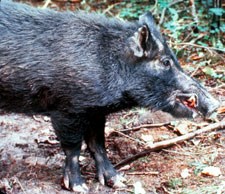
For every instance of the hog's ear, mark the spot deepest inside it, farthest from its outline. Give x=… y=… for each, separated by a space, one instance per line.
x=148 y=20
x=154 y=33
x=138 y=42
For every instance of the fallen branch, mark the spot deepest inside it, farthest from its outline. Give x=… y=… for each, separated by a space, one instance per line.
x=167 y=143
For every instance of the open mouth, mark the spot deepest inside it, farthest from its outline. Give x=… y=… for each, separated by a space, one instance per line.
x=189 y=101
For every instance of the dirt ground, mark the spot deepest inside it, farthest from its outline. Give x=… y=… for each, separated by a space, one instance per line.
x=31 y=158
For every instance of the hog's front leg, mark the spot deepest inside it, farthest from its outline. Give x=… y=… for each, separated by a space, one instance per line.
x=95 y=140
x=72 y=179
x=70 y=130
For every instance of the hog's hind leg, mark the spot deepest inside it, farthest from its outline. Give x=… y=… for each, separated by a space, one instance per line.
x=95 y=140
x=69 y=130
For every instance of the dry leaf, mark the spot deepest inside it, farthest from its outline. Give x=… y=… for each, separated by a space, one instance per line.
x=182 y=128
x=108 y=131
x=195 y=57
x=82 y=158
x=221 y=110
x=46 y=118
x=185 y=173
x=138 y=189
x=148 y=139
x=196 y=142
x=5 y=184
x=126 y=167
x=211 y=171
x=40 y=118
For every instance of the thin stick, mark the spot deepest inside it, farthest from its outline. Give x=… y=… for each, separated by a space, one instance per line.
x=200 y=46
x=142 y=173
x=19 y=183
x=154 y=7
x=109 y=8
x=164 y=10
x=200 y=36
x=47 y=2
x=193 y=11
x=217 y=87
x=131 y=138
x=209 y=49
x=145 y=126
x=167 y=143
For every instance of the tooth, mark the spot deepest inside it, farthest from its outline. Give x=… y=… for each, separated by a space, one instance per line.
x=192 y=101
x=194 y=114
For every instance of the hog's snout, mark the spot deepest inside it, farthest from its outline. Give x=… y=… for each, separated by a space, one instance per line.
x=191 y=99
x=207 y=104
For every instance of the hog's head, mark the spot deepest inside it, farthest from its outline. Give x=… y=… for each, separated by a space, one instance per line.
x=160 y=82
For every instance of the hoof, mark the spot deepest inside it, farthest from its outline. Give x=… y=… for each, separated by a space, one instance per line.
x=117 y=181
x=80 y=188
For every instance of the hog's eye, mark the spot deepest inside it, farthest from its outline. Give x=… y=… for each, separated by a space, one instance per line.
x=166 y=62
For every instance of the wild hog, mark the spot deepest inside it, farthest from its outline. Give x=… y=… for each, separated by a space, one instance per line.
x=79 y=67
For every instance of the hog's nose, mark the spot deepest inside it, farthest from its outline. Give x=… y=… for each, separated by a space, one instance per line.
x=213 y=106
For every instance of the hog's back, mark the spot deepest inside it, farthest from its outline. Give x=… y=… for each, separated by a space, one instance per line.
x=57 y=61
